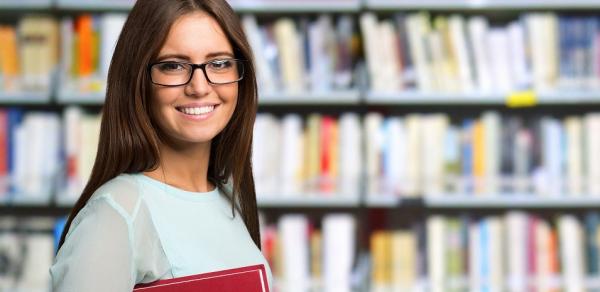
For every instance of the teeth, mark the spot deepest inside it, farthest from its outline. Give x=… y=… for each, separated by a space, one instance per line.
x=197 y=110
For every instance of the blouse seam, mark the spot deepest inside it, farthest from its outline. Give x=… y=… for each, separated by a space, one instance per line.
x=142 y=194
x=111 y=202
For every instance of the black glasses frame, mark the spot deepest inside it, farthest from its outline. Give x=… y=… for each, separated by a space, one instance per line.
x=197 y=66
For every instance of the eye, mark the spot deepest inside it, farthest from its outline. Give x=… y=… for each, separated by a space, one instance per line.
x=170 y=67
x=220 y=64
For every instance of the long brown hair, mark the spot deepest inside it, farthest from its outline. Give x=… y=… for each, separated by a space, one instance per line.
x=128 y=137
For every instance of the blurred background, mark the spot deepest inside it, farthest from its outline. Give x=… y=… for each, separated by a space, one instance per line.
x=432 y=145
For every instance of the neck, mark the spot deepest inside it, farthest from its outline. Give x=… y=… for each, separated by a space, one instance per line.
x=184 y=167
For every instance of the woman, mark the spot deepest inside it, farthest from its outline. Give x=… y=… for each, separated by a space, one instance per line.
x=171 y=192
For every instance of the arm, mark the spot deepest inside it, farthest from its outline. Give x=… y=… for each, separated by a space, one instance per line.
x=97 y=255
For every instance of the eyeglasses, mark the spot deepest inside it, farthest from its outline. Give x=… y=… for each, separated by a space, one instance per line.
x=172 y=73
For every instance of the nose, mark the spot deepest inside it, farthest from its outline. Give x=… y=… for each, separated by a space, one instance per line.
x=198 y=85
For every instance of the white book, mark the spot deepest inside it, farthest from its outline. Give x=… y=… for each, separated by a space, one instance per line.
x=496 y=257
x=321 y=40
x=436 y=252
x=293 y=235
x=462 y=52
x=414 y=132
x=338 y=248
x=542 y=30
x=374 y=137
x=571 y=253
x=394 y=154
x=373 y=49
x=475 y=256
x=290 y=55
x=552 y=173
x=265 y=154
x=452 y=158
x=493 y=148
x=111 y=25
x=417 y=28
x=350 y=157
x=36 y=263
x=72 y=135
x=390 y=69
x=435 y=46
x=518 y=56
x=516 y=248
x=292 y=150
x=90 y=134
x=478 y=32
x=433 y=136
x=592 y=153
x=264 y=74
x=574 y=155
x=498 y=41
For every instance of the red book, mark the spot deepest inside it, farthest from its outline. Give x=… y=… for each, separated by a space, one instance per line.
x=247 y=279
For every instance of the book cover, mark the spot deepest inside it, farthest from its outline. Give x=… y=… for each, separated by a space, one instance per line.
x=249 y=279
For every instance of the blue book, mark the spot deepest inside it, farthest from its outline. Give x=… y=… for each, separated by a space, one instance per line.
x=15 y=116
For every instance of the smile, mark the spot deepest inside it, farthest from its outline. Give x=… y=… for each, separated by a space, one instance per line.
x=197 y=111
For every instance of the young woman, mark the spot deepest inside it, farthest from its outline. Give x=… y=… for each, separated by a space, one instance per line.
x=171 y=192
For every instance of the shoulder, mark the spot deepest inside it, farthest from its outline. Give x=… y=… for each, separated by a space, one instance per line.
x=122 y=193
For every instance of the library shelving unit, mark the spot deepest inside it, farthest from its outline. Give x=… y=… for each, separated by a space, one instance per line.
x=362 y=100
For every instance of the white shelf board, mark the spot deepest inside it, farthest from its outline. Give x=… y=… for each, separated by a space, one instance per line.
x=24 y=98
x=309 y=200
x=25 y=4
x=480 y=4
x=382 y=201
x=418 y=98
x=347 y=97
x=268 y=6
x=510 y=201
x=95 y=4
x=96 y=98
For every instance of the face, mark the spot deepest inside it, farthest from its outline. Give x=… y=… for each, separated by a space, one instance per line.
x=198 y=111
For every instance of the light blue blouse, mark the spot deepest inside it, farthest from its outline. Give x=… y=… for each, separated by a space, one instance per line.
x=135 y=229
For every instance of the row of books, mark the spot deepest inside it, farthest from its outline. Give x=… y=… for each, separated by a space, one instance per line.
x=406 y=52
x=455 y=53
x=421 y=154
x=516 y=251
x=28 y=54
x=324 y=155
x=26 y=253
x=307 y=257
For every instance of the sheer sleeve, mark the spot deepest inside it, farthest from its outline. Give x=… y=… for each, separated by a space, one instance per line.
x=98 y=253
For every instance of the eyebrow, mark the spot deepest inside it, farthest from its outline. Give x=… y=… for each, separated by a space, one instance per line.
x=184 y=57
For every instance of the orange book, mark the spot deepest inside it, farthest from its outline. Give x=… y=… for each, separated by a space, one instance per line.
x=8 y=51
x=247 y=279
x=85 y=36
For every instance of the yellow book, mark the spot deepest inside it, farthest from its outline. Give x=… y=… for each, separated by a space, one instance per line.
x=404 y=260
x=315 y=254
x=313 y=157
x=478 y=155
x=381 y=252
x=9 y=60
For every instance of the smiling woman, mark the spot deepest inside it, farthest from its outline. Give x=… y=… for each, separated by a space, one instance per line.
x=171 y=192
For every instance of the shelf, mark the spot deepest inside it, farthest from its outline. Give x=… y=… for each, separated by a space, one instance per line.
x=24 y=98
x=121 y=5
x=268 y=6
x=382 y=201
x=480 y=4
x=25 y=4
x=348 y=97
x=96 y=98
x=33 y=210
x=309 y=201
x=510 y=201
x=433 y=98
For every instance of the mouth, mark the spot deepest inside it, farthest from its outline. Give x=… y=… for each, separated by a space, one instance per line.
x=197 y=110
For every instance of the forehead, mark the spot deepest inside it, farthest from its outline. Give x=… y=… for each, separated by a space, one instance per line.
x=196 y=35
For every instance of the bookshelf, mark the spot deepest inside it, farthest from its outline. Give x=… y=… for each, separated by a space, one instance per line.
x=360 y=100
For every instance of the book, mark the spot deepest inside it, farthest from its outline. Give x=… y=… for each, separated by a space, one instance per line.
x=248 y=279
